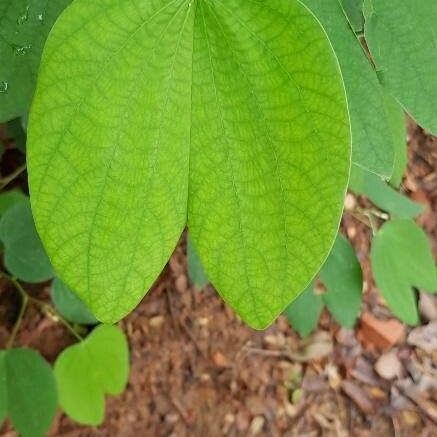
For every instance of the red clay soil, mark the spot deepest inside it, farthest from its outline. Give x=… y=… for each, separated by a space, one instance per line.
x=197 y=370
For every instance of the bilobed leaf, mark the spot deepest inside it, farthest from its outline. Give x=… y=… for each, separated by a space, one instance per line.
x=25 y=256
x=304 y=312
x=343 y=278
x=70 y=305
x=227 y=116
x=196 y=272
x=382 y=194
x=29 y=391
x=402 y=258
x=87 y=371
x=354 y=13
x=372 y=139
x=24 y=26
x=402 y=38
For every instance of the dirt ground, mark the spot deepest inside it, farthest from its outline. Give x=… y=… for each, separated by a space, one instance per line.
x=197 y=370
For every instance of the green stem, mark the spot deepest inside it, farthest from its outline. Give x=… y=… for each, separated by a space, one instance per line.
x=45 y=307
x=9 y=178
x=19 y=321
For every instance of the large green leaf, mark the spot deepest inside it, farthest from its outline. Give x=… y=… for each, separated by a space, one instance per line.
x=402 y=38
x=402 y=258
x=24 y=26
x=373 y=140
x=229 y=117
x=27 y=391
x=25 y=256
x=343 y=279
x=87 y=371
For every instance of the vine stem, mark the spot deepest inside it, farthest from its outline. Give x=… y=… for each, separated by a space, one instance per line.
x=18 y=322
x=10 y=177
x=44 y=306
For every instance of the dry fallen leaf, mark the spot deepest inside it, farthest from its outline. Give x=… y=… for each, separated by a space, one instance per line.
x=424 y=337
x=388 y=365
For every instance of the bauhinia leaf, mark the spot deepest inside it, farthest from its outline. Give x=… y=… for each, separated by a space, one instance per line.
x=353 y=10
x=24 y=26
x=87 y=371
x=27 y=391
x=382 y=194
x=70 y=305
x=402 y=38
x=398 y=130
x=226 y=116
x=401 y=259
x=343 y=278
x=304 y=312
x=25 y=256
x=373 y=141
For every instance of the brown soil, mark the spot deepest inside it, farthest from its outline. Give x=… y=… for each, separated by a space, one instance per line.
x=197 y=370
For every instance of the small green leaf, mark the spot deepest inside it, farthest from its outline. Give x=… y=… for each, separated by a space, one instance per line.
x=373 y=143
x=401 y=258
x=402 y=38
x=24 y=26
x=343 y=278
x=70 y=305
x=9 y=199
x=87 y=371
x=228 y=117
x=25 y=257
x=27 y=391
x=196 y=271
x=354 y=13
x=304 y=312
x=383 y=195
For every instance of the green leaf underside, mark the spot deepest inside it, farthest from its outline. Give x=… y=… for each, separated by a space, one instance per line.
x=27 y=391
x=25 y=257
x=304 y=312
x=24 y=26
x=9 y=199
x=373 y=140
x=383 y=195
x=353 y=10
x=402 y=38
x=401 y=258
x=87 y=371
x=228 y=117
x=196 y=271
x=398 y=129
x=343 y=279
x=70 y=305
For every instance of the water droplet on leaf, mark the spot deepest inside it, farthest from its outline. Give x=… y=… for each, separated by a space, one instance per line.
x=3 y=87
x=21 y=50
x=24 y=17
